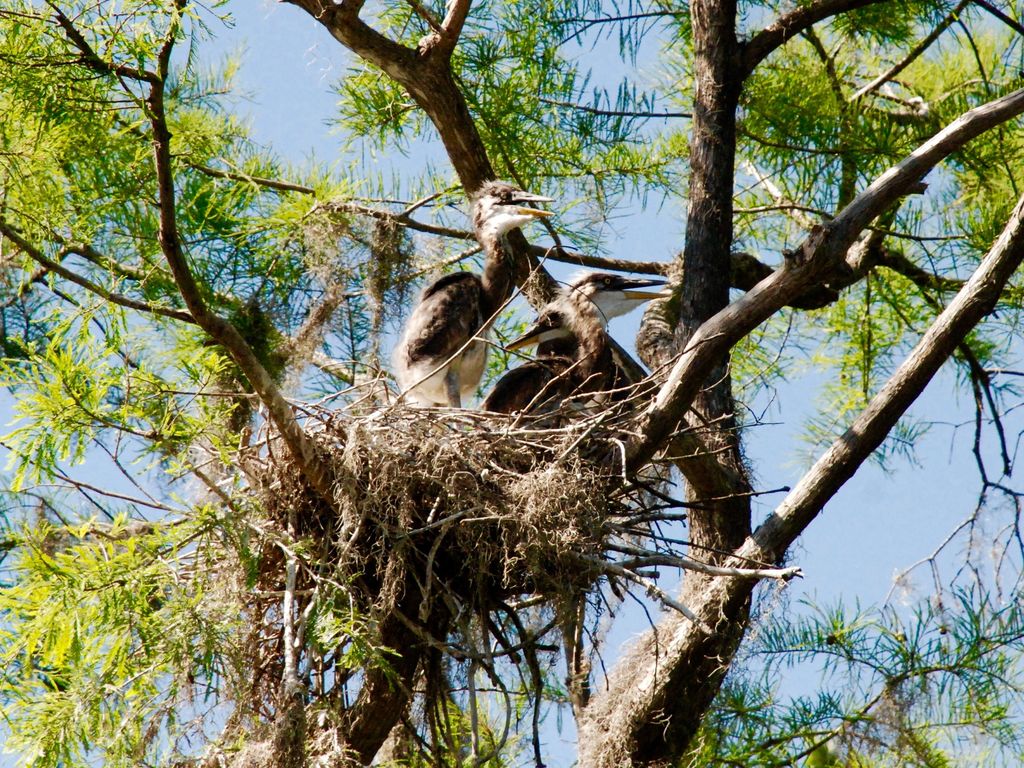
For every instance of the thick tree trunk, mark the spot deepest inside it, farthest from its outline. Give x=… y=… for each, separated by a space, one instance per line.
x=721 y=526
x=659 y=716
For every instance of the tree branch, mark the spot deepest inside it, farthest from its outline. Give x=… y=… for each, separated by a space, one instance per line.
x=56 y=267
x=1013 y=24
x=787 y=26
x=280 y=186
x=922 y=278
x=818 y=257
x=223 y=332
x=452 y=25
x=914 y=53
x=343 y=22
x=91 y=59
x=651 y=680
x=978 y=298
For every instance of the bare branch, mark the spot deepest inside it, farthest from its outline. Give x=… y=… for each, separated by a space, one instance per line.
x=400 y=219
x=914 y=53
x=649 y=586
x=816 y=259
x=922 y=278
x=642 y=558
x=339 y=369
x=566 y=256
x=424 y=14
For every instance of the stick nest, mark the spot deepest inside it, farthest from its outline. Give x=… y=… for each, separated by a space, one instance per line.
x=479 y=507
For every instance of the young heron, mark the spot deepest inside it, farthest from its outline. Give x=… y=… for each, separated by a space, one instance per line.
x=442 y=353
x=573 y=353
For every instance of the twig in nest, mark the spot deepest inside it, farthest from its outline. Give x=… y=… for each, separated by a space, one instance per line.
x=644 y=557
x=649 y=586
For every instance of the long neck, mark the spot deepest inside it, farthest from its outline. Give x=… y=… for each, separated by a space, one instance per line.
x=497 y=276
x=564 y=346
x=594 y=354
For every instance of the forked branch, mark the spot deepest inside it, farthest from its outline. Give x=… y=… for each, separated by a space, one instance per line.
x=818 y=257
x=655 y=677
x=977 y=299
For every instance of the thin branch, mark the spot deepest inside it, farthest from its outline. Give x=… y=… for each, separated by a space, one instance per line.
x=91 y=59
x=644 y=558
x=649 y=586
x=1011 y=23
x=782 y=202
x=56 y=267
x=424 y=14
x=922 y=278
x=398 y=218
x=280 y=186
x=614 y=112
x=566 y=256
x=789 y=25
x=914 y=53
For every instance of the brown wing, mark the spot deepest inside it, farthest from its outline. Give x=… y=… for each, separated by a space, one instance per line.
x=447 y=316
x=529 y=386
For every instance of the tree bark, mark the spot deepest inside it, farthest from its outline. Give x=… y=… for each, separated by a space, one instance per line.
x=661 y=723
x=667 y=664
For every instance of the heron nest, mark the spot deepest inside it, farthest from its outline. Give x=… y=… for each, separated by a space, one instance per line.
x=484 y=507
x=447 y=520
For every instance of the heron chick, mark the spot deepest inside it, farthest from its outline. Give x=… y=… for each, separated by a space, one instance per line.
x=574 y=355
x=443 y=350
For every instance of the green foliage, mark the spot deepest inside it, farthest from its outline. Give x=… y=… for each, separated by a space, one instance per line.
x=109 y=638
x=936 y=686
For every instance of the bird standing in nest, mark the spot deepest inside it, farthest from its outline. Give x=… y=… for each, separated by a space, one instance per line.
x=574 y=355
x=442 y=353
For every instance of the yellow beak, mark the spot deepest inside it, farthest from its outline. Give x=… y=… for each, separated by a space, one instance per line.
x=535 y=212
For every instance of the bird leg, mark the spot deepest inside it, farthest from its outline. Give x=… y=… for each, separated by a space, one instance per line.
x=453 y=386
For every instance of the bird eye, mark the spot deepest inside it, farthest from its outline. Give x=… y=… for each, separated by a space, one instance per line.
x=607 y=281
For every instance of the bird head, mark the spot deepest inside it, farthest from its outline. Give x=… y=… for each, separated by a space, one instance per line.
x=499 y=207
x=615 y=295
x=551 y=324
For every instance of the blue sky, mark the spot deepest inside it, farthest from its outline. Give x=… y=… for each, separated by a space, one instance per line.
x=876 y=525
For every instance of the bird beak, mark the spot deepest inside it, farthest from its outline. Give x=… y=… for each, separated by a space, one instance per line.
x=630 y=292
x=537 y=213
x=529 y=197
x=535 y=334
